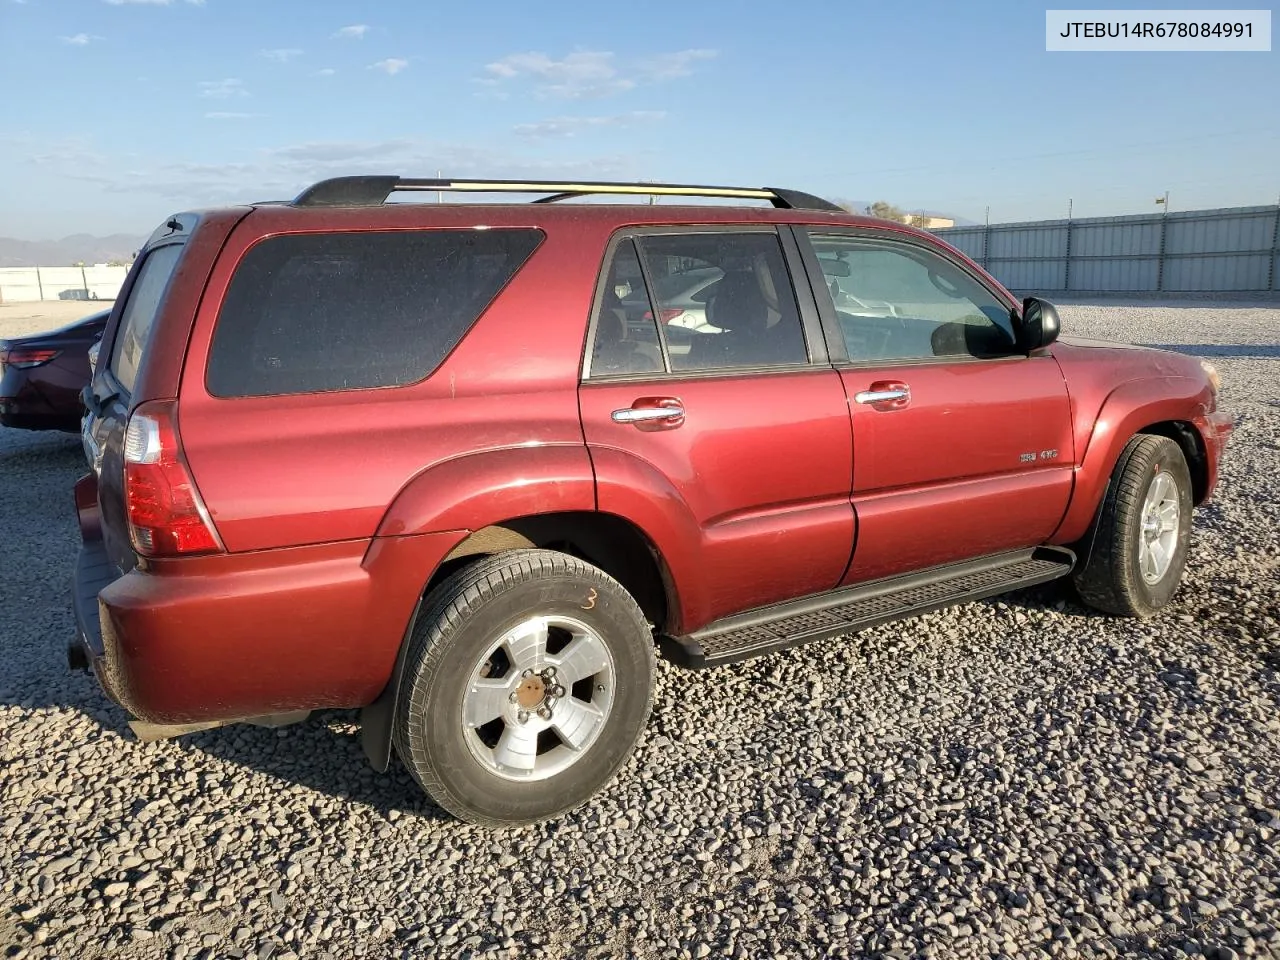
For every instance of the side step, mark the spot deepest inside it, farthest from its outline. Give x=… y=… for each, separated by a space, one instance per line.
x=864 y=605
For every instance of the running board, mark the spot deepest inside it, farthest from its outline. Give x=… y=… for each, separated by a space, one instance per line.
x=865 y=605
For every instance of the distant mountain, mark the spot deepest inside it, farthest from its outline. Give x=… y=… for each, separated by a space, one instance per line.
x=67 y=251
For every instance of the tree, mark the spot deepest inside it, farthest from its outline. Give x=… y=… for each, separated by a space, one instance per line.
x=886 y=211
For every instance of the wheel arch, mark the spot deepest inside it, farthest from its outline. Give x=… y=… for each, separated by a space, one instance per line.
x=612 y=543
x=1185 y=434
x=1169 y=407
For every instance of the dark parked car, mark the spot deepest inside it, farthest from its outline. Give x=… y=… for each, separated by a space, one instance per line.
x=422 y=459
x=42 y=375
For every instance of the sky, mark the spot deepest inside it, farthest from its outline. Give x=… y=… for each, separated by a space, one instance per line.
x=116 y=113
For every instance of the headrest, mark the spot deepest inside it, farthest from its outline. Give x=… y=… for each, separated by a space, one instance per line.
x=738 y=303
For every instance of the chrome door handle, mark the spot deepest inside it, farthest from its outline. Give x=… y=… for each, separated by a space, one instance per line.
x=647 y=414
x=880 y=396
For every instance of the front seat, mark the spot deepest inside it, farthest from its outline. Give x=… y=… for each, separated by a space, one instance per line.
x=755 y=331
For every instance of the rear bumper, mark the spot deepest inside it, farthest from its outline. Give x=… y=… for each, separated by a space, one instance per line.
x=244 y=635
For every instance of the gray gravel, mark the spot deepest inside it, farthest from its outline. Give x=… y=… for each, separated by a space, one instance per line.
x=1015 y=777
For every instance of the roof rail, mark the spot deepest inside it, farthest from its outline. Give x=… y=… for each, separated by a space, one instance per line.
x=371 y=191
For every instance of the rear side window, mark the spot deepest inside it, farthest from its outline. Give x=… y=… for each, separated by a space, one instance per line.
x=140 y=313
x=309 y=313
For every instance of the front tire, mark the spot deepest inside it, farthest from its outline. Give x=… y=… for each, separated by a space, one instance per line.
x=527 y=683
x=1142 y=531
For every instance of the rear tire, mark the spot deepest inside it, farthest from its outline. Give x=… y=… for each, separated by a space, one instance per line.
x=1141 y=532
x=498 y=644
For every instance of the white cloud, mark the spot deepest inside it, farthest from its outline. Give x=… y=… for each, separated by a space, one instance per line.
x=569 y=126
x=80 y=39
x=390 y=66
x=223 y=89
x=229 y=115
x=586 y=74
x=325 y=72
x=354 y=32
x=665 y=66
x=579 y=75
x=164 y=182
x=282 y=54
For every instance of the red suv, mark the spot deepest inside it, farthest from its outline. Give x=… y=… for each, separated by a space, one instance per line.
x=465 y=465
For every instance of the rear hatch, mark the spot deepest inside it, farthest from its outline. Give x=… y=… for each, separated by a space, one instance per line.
x=139 y=368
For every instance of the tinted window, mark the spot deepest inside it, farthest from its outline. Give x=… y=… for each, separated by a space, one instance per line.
x=140 y=313
x=895 y=302
x=626 y=339
x=725 y=300
x=342 y=311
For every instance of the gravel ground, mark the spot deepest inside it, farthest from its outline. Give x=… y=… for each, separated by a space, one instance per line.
x=1013 y=777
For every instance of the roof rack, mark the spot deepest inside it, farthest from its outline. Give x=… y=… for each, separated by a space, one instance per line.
x=372 y=191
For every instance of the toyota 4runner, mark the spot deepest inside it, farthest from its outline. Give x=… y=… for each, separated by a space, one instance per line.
x=466 y=465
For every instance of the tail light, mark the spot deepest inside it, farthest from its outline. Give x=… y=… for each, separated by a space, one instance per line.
x=667 y=313
x=24 y=357
x=167 y=518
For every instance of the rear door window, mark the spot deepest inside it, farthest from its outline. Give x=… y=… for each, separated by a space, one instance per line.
x=718 y=300
x=725 y=300
x=308 y=313
x=140 y=313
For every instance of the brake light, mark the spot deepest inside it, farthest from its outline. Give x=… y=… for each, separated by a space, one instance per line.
x=26 y=356
x=667 y=313
x=166 y=516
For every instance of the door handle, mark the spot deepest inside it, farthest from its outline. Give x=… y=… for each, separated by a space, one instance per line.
x=647 y=414
x=651 y=410
x=884 y=393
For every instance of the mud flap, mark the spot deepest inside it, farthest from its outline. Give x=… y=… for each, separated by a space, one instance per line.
x=377 y=718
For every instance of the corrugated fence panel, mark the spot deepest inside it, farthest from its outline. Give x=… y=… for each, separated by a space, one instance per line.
x=1122 y=275
x=1112 y=237
x=1020 y=241
x=1228 y=250
x=967 y=241
x=1223 y=272
x=1030 y=275
x=1220 y=233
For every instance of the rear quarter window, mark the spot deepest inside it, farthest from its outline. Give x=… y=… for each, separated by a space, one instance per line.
x=311 y=313
x=140 y=312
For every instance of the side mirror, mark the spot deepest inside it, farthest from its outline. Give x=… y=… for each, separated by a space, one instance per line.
x=1040 y=324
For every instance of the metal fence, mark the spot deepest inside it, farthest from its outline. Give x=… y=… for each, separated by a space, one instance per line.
x=1233 y=250
x=19 y=284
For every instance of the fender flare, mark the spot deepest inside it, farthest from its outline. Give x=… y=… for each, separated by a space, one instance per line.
x=480 y=489
x=1127 y=410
